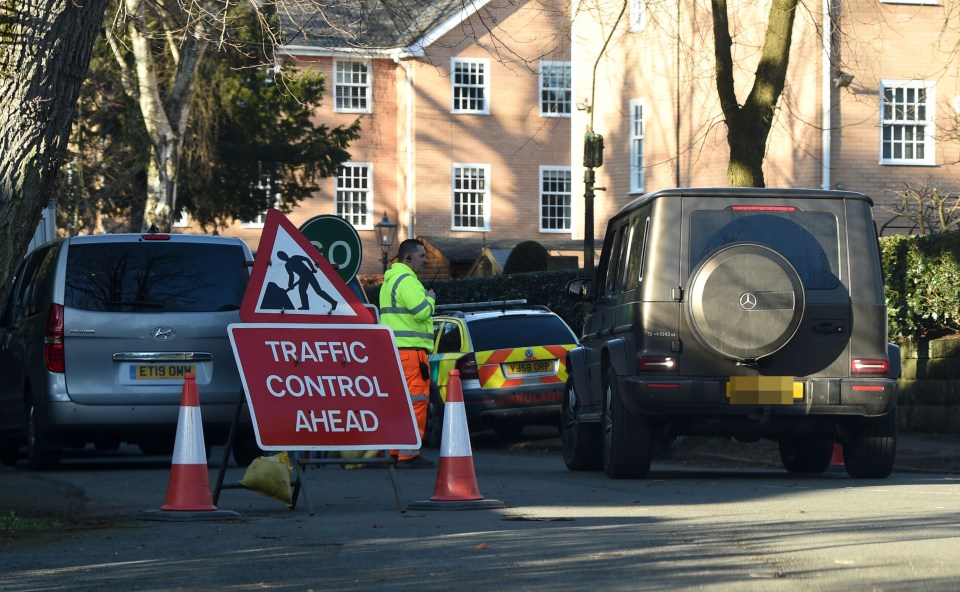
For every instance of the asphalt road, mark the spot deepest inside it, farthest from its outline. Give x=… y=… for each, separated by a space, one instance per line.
x=732 y=523
x=681 y=529
x=29 y=493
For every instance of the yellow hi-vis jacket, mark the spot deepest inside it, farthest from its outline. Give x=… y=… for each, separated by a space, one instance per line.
x=406 y=308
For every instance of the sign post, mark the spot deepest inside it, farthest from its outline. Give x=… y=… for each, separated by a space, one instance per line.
x=317 y=373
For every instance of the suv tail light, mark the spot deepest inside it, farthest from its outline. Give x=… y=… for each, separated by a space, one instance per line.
x=657 y=364
x=467 y=366
x=869 y=366
x=53 y=339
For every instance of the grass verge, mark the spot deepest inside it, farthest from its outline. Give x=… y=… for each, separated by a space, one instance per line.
x=11 y=521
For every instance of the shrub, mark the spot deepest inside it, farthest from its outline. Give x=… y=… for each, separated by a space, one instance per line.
x=526 y=257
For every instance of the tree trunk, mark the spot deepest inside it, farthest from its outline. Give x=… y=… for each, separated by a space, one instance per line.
x=166 y=117
x=748 y=126
x=45 y=48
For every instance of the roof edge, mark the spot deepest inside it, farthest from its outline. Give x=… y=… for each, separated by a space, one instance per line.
x=468 y=9
x=333 y=52
x=415 y=49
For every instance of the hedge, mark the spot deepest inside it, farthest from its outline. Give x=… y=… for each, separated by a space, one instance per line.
x=922 y=277
x=547 y=288
x=921 y=273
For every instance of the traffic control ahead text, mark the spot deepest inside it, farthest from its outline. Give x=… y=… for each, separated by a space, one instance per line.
x=324 y=387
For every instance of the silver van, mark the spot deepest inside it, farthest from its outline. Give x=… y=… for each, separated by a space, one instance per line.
x=98 y=332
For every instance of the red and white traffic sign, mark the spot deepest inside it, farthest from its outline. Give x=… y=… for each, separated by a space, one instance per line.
x=291 y=282
x=329 y=387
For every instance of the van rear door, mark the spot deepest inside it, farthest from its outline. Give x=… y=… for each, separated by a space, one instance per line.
x=140 y=314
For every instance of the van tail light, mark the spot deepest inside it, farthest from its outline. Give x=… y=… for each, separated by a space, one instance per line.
x=657 y=364
x=467 y=366
x=53 y=339
x=877 y=366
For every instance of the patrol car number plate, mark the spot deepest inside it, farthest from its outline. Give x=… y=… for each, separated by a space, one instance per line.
x=160 y=371
x=530 y=367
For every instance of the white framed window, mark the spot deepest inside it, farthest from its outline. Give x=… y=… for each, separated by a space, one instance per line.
x=637 y=177
x=263 y=192
x=471 y=85
x=638 y=15
x=351 y=86
x=907 y=122
x=353 y=197
x=471 y=197
x=555 y=89
x=556 y=197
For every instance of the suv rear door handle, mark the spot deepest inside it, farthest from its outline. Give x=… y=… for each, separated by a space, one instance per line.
x=829 y=329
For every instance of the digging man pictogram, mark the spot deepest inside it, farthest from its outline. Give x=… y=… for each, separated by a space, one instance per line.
x=302 y=272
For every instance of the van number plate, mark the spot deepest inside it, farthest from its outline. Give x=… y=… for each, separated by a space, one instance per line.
x=160 y=371
x=535 y=367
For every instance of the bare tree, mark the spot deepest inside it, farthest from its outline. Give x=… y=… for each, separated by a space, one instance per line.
x=159 y=46
x=748 y=125
x=926 y=206
x=45 y=49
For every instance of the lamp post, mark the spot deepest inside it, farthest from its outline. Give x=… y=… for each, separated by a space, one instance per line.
x=592 y=159
x=386 y=234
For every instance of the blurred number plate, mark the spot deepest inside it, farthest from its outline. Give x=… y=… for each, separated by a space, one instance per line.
x=763 y=390
x=530 y=367
x=160 y=371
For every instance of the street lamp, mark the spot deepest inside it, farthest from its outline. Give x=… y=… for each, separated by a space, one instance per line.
x=386 y=234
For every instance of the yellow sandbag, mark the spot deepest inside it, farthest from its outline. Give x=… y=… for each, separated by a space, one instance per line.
x=355 y=454
x=270 y=475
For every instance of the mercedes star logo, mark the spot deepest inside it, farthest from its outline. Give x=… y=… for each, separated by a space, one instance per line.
x=748 y=301
x=163 y=333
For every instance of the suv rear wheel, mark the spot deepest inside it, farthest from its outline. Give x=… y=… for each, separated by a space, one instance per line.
x=582 y=447
x=869 y=452
x=806 y=454
x=626 y=438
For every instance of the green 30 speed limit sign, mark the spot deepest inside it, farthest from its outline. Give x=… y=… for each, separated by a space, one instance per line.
x=338 y=242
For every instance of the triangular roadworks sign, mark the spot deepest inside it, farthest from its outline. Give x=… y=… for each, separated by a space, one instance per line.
x=291 y=282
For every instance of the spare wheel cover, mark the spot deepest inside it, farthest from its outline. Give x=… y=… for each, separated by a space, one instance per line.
x=745 y=301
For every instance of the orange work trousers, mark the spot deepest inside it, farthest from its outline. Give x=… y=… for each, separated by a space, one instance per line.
x=419 y=389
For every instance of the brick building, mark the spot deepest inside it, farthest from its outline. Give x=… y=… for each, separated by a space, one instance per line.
x=473 y=112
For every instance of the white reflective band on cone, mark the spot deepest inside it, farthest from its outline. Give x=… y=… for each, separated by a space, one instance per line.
x=189 y=448
x=456 y=436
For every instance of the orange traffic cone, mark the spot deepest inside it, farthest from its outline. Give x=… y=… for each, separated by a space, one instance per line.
x=456 y=487
x=188 y=493
x=837 y=459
